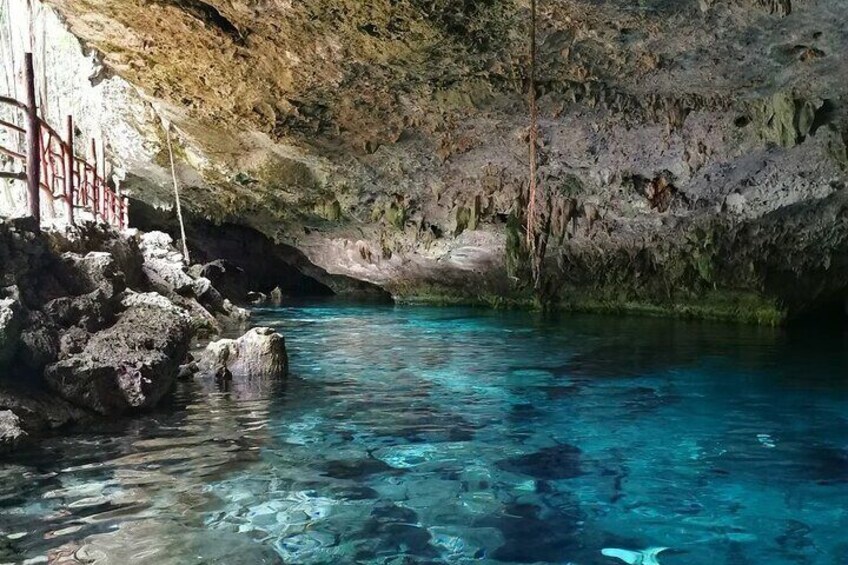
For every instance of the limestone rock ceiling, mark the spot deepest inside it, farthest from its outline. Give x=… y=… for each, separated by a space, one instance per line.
x=355 y=70
x=387 y=139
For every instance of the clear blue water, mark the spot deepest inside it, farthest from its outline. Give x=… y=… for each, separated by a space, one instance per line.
x=425 y=435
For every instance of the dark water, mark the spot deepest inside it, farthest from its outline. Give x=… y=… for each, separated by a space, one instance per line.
x=424 y=435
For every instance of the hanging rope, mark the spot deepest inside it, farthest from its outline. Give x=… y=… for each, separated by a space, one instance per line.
x=534 y=133
x=176 y=191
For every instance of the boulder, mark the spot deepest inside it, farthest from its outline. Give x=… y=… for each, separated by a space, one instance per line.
x=202 y=320
x=11 y=319
x=11 y=432
x=229 y=279
x=188 y=370
x=257 y=298
x=85 y=238
x=37 y=410
x=167 y=276
x=130 y=365
x=92 y=311
x=207 y=294
x=164 y=266
x=95 y=286
x=73 y=341
x=261 y=352
x=96 y=270
x=235 y=313
x=156 y=243
x=39 y=344
x=224 y=310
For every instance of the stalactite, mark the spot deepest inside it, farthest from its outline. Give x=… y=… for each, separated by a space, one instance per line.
x=537 y=225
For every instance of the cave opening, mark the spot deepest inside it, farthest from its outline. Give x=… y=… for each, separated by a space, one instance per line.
x=828 y=313
x=246 y=259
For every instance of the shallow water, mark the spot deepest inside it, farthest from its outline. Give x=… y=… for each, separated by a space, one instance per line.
x=425 y=435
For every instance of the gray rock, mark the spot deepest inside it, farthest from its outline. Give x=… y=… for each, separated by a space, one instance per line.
x=38 y=410
x=164 y=266
x=97 y=270
x=261 y=352
x=130 y=365
x=123 y=247
x=11 y=432
x=229 y=279
x=236 y=313
x=201 y=286
x=202 y=320
x=156 y=241
x=167 y=276
x=93 y=311
x=257 y=297
x=188 y=370
x=10 y=328
x=39 y=343
x=72 y=341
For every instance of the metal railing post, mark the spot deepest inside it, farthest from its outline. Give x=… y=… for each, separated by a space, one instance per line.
x=69 y=172
x=95 y=189
x=33 y=135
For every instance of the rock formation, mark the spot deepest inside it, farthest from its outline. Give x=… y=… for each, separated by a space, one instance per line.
x=94 y=323
x=261 y=352
x=130 y=364
x=687 y=149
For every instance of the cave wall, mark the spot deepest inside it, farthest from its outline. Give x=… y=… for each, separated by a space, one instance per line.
x=692 y=154
x=256 y=262
x=71 y=79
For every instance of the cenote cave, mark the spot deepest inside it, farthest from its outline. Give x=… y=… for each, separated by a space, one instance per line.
x=409 y=282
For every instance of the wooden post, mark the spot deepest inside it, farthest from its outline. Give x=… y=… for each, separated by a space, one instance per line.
x=69 y=172
x=95 y=188
x=33 y=135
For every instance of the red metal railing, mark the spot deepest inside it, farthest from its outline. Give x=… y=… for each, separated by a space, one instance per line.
x=62 y=175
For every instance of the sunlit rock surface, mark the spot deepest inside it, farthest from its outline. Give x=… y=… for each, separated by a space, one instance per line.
x=261 y=352
x=693 y=154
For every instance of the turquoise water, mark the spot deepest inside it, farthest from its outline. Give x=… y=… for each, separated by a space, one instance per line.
x=424 y=435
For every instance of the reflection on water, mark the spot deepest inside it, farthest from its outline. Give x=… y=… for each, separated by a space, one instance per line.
x=415 y=435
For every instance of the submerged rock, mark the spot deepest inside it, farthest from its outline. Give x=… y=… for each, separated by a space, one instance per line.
x=261 y=352
x=393 y=529
x=355 y=469
x=531 y=537
x=130 y=365
x=549 y=463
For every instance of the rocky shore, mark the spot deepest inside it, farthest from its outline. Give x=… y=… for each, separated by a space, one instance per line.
x=94 y=323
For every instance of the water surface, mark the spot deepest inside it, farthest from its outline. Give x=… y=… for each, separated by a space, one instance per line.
x=424 y=435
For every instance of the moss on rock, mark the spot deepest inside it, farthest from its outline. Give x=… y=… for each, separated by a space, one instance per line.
x=785 y=119
x=329 y=209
